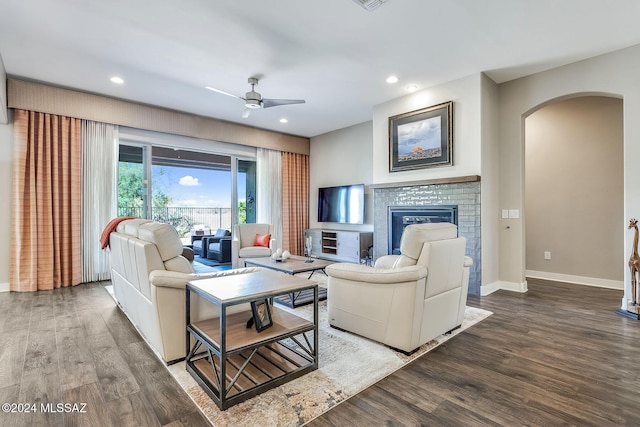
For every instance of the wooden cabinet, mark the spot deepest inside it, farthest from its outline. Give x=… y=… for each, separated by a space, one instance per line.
x=340 y=245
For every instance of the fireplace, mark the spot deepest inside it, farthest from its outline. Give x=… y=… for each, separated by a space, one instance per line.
x=462 y=194
x=402 y=216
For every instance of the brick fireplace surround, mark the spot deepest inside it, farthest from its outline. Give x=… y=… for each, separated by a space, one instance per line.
x=463 y=192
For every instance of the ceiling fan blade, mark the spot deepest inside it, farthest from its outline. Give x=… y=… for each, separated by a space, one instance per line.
x=266 y=103
x=246 y=112
x=223 y=92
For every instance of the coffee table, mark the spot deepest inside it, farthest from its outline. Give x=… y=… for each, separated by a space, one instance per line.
x=293 y=265
x=233 y=362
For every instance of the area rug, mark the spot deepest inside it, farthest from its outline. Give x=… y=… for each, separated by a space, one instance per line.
x=347 y=365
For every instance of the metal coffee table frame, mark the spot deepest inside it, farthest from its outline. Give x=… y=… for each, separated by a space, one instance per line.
x=210 y=359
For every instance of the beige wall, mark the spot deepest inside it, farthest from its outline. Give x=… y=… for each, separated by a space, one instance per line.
x=341 y=157
x=465 y=94
x=612 y=74
x=6 y=168
x=71 y=103
x=361 y=153
x=574 y=204
x=490 y=203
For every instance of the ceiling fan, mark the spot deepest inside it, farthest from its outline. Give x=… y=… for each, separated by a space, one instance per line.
x=253 y=99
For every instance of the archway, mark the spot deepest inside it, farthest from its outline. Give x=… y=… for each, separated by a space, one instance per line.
x=574 y=191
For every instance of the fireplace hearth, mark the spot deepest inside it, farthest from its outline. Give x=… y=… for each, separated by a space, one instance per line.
x=402 y=216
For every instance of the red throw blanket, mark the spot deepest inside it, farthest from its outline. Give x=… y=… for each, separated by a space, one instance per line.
x=104 y=238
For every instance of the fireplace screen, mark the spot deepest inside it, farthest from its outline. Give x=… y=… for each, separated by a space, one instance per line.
x=400 y=217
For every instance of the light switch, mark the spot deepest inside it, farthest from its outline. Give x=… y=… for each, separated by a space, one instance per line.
x=505 y=213
x=514 y=213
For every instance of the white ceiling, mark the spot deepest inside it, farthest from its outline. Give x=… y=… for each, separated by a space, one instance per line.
x=332 y=53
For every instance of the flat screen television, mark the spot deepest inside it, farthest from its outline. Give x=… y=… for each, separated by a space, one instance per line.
x=343 y=204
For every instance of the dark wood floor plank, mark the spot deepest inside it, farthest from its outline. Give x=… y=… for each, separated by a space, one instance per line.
x=10 y=395
x=41 y=386
x=556 y=355
x=92 y=323
x=448 y=414
x=74 y=340
x=12 y=352
x=95 y=411
x=41 y=345
x=119 y=326
x=132 y=411
x=74 y=359
x=169 y=402
x=114 y=376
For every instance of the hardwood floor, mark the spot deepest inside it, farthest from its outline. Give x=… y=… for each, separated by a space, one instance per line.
x=73 y=345
x=557 y=355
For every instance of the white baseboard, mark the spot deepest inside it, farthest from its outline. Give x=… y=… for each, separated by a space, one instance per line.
x=4 y=287
x=578 y=280
x=507 y=286
x=489 y=289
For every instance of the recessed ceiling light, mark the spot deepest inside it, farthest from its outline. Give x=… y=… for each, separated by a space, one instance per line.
x=411 y=88
x=392 y=79
x=117 y=80
x=283 y=120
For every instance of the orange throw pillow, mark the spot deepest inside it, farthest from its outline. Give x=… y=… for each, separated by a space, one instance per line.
x=262 y=240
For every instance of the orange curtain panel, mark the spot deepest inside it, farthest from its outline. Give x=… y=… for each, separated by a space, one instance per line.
x=295 y=201
x=45 y=247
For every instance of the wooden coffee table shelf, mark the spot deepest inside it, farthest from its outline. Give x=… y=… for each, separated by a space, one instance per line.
x=239 y=337
x=268 y=364
x=232 y=362
x=294 y=265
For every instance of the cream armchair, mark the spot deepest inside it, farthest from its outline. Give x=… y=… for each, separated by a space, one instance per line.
x=405 y=300
x=244 y=236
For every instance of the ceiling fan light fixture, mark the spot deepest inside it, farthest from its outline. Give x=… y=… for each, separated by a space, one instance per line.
x=370 y=5
x=252 y=103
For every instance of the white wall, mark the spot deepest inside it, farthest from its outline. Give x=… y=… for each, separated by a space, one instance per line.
x=465 y=94
x=490 y=180
x=612 y=74
x=6 y=168
x=341 y=157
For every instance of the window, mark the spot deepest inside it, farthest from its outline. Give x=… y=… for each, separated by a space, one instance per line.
x=186 y=188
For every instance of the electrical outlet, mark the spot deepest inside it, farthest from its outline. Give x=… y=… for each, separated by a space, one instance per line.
x=547 y=255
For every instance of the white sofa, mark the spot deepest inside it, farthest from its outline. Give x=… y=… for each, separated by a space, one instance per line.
x=149 y=276
x=405 y=300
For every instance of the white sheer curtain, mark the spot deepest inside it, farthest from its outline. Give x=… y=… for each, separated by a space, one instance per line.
x=99 y=194
x=269 y=191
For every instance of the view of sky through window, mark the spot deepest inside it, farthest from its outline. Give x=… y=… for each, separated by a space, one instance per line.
x=192 y=187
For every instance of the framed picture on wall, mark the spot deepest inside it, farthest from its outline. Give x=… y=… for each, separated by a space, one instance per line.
x=422 y=138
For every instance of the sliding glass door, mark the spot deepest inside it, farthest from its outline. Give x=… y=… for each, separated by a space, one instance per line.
x=188 y=189
x=246 y=191
x=133 y=180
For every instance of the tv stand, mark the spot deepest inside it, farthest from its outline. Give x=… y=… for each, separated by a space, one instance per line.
x=340 y=245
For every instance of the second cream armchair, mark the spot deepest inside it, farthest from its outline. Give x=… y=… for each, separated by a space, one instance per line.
x=242 y=244
x=406 y=300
